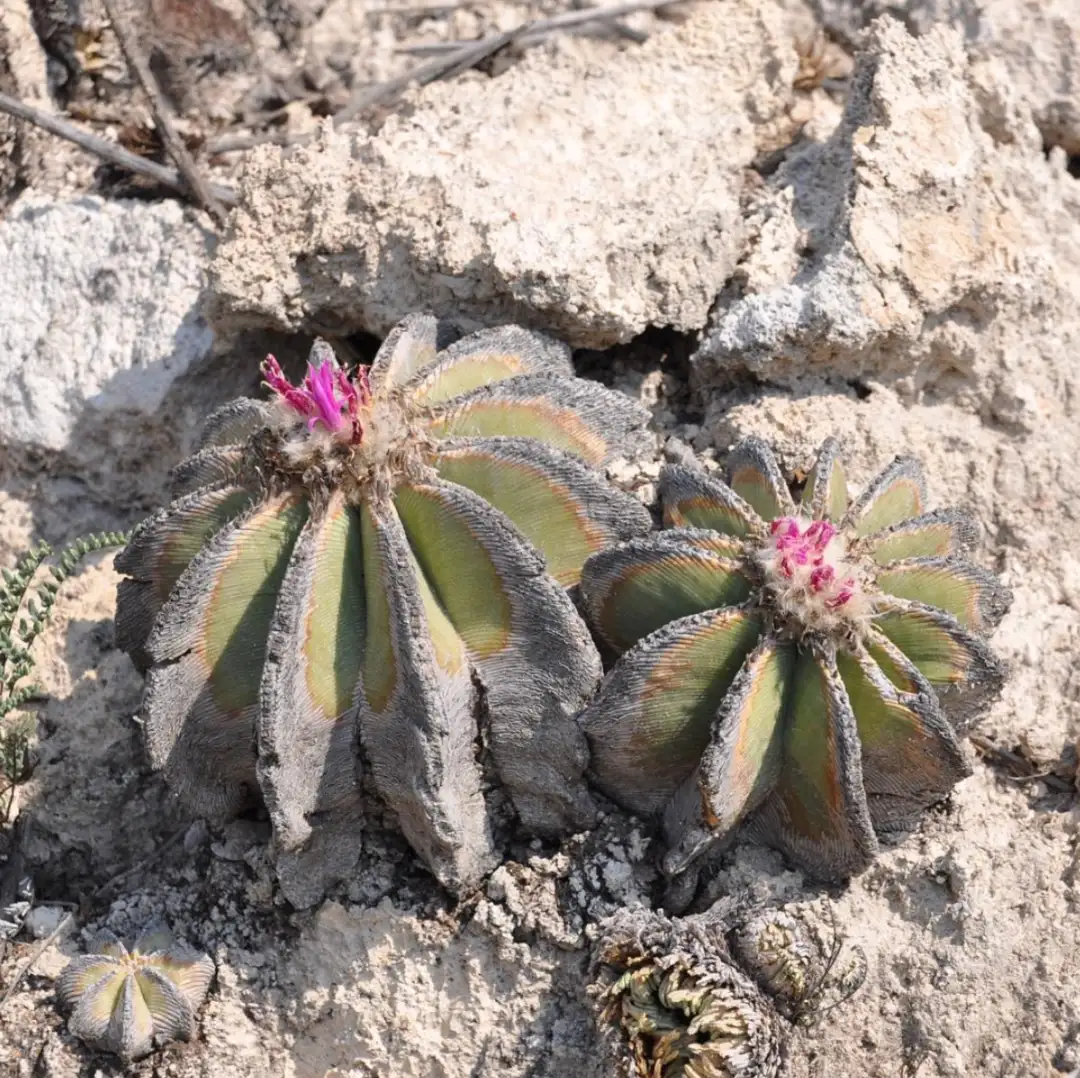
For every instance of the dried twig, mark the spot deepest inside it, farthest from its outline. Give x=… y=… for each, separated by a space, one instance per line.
x=106 y=150
x=541 y=29
x=453 y=58
x=159 y=852
x=459 y=58
x=41 y=948
x=163 y=120
x=447 y=66
x=423 y=10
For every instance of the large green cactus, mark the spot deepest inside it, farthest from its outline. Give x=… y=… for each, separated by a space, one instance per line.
x=374 y=563
x=805 y=669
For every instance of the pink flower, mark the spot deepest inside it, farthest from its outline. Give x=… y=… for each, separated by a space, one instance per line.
x=327 y=395
x=808 y=550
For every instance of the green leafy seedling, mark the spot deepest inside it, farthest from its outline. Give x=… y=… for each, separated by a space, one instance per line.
x=24 y=612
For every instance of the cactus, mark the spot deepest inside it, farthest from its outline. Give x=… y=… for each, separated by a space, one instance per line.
x=803 y=670
x=131 y=1002
x=683 y=1006
x=703 y=996
x=368 y=564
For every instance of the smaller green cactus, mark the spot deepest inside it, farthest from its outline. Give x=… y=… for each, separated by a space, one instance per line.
x=130 y=1002
x=804 y=670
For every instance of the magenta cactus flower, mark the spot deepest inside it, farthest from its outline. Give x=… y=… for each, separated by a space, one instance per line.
x=327 y=396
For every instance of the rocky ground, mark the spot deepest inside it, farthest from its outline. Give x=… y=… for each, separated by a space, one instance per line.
x=747 y=236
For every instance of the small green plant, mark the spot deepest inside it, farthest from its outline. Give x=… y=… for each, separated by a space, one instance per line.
x=130 y=1002
x=24 y=612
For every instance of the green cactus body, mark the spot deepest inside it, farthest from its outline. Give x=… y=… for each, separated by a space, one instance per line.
x=131 y=1002
x=803 y=670
x=375 y=560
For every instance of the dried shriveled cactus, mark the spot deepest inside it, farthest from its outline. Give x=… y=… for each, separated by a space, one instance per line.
x=702 y=996
x=379 y=560
x=131 y=1002
x=802 y=668
x=681 y=1005
x=781 y=949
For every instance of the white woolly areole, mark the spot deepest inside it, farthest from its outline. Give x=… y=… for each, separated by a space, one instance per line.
x=810 y=580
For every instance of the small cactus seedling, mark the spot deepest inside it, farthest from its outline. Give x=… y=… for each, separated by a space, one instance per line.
x=683 y=1007
x=804 y=668
x=381 y=559
x=131 y=1002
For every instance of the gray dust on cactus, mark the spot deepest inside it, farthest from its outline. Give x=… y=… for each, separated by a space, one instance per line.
x=362 y=566
x=803 y=670
x=674 y=1003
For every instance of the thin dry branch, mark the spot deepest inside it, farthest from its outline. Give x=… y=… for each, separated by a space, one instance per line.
x=199 y=188
x=446 y=66
x=106 y=150
x=462 y=57
x=42 y=947
x=541 y=29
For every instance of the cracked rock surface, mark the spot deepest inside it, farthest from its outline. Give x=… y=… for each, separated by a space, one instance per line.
x=595 y=201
